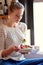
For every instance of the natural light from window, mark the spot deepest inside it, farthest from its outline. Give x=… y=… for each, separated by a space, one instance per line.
x=28 y=37
x=38 y=24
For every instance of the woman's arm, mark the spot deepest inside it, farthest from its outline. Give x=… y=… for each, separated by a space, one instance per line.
x=8 y=51
x=5 y=52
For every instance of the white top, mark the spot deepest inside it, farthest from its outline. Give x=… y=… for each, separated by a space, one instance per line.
x=10 y=36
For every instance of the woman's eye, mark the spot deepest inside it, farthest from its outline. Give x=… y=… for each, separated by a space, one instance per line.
x=17 y=16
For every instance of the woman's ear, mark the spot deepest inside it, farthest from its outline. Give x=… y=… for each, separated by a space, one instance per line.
x=8 y=16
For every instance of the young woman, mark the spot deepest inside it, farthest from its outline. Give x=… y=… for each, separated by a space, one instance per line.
x=12 y=33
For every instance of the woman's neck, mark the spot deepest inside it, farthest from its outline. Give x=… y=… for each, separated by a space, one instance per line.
x=9 y=24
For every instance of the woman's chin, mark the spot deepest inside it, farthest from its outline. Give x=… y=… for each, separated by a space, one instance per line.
x=17 y=21
x=15 y=24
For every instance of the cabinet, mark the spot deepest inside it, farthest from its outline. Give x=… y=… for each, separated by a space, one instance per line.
x=3 y=17
x=3 y=9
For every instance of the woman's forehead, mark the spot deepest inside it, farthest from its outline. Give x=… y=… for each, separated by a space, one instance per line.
x=18 y=11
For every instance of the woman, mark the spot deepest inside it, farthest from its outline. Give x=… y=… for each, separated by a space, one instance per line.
x=12 y=33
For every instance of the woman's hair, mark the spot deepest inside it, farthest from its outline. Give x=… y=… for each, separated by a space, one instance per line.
x=14 y=1
x=16 y=5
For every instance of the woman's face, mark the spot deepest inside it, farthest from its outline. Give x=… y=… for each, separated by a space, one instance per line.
x=16 y=16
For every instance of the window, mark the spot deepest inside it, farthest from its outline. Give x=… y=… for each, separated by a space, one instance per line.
x=38 y=23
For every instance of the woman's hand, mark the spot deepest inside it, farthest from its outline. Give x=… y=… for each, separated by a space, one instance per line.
x=23 y=49
x=16 y=48
x=8 y=51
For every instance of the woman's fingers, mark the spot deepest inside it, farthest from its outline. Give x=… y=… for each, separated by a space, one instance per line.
x=16 y=48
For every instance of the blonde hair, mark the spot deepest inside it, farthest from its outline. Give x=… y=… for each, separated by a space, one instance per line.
x=14 y=1
x=16 y=5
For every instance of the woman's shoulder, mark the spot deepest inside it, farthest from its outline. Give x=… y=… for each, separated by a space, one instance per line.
x=1 y=31
x=22 y=24
x=1 y=26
